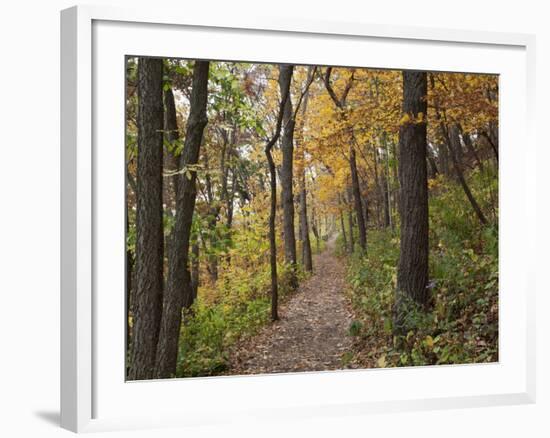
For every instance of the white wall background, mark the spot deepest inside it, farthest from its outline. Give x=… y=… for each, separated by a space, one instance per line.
x=29 y=216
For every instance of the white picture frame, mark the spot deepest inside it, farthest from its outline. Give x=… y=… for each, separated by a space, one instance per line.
x=93 y=391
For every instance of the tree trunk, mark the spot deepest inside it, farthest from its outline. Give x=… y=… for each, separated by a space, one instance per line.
x=149 y=228
x=431 y=161
x=386 y=200
x=286 y=173
x=272 y=241
x=213 y=233
x=342 y=224
x=315 y=230
x=453 y=142
x=304 y=228
x=195 y=268
x=350 y=221
x=387 y=185
x=307 y=260
x=444 y=159
x=395 y=177
x=357 y=199
x=129 y=270
x=179 y=291
x=284 y=83
x=378 y=179
x=470 y=147
x=172 y=136
x=494 y=147
x=412 y=271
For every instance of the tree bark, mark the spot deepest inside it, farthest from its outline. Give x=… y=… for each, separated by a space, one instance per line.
x=467 y=139
x=149 y=228
x=286 y=173
x=342 y=224
x=285 y=94
x=272 y=240
x=412 y=271
x=357 y=200
x=350 y=222
x=195 y=268
x=494 y=147
x=387 y=185
x=386 y=200
x=380 y=199
x=315 y=230
x=129 y=270
x=453 y=142
x=307 y=260
x=179 y=291
x=434 y=171
x=304 y=228
x=172 y=136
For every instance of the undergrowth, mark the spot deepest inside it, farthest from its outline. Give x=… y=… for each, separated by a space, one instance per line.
x=461 y=323
x=237 y=308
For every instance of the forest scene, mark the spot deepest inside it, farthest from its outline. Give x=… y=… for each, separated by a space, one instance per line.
x=289 y=218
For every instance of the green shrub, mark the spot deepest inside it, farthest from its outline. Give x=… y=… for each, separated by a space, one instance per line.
x=461 y=324
x=209 y=329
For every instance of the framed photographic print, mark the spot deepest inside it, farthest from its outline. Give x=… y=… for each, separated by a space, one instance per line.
x=283 y=218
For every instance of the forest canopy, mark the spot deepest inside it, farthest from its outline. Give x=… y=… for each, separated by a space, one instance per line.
x=305 y=218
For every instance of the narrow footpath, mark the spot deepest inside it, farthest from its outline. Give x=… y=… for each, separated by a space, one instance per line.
x=311 y=334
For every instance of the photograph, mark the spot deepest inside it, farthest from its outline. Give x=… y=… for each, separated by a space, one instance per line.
x=286 y=218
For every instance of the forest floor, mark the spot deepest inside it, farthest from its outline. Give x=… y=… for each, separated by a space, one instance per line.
x=312 y=332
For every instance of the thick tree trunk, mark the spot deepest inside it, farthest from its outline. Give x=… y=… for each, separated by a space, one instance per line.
x=412 y=271
x=147 y=305
x=286 y=174
x=357 y=201
x=179 y=291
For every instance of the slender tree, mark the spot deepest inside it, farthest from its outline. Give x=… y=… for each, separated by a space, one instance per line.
x=304 y=226
x=285 y=95
x=453 y=143
x=286 y=173
x=179 y=291
x=340 y=103
x=342 y=225
x=451 y=147
x=412 y=271
x=149 y=232
x=129 y=274
x=350 y=221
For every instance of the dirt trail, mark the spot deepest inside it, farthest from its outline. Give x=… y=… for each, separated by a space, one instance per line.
x=311 y=334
